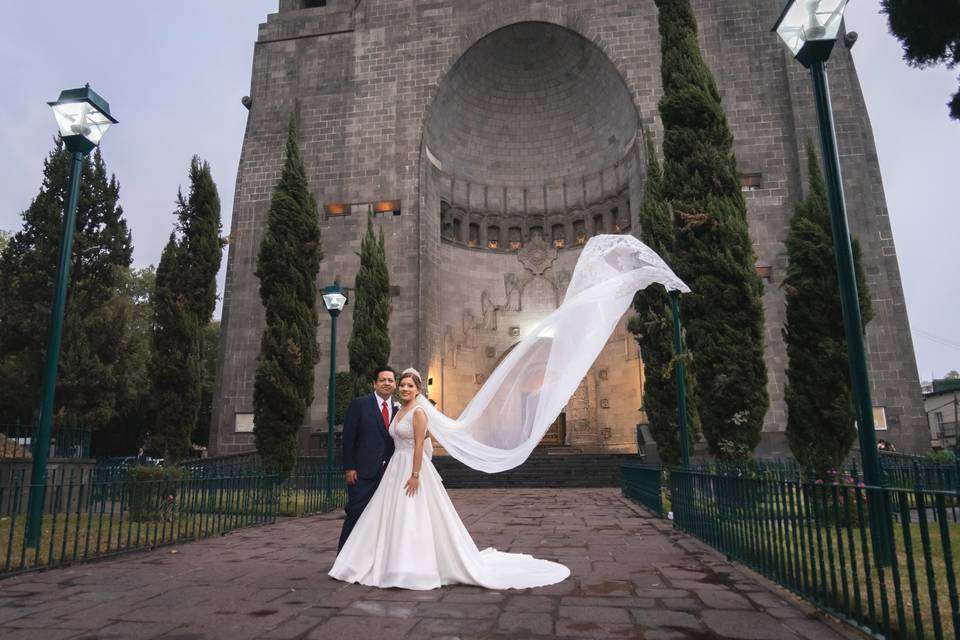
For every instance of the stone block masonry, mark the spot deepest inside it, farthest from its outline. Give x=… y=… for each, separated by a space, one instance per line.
x=513 y=119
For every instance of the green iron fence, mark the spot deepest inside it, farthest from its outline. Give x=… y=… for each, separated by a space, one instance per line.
x=99 y=512
x=880 y=557
x=642 y=483
x=900 y=470
x=67 y=441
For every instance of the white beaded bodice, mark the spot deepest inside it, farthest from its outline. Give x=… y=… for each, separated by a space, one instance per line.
x=402 y=433
x=402 y=430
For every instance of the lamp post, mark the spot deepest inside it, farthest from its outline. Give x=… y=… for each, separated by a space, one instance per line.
x=809 y=28
x=680 y=372
x=334 y=301
x=82 y=117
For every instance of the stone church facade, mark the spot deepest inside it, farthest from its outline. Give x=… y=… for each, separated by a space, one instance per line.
x=490 y=140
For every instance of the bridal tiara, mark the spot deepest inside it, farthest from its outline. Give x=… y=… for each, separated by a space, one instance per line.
x=412 y=371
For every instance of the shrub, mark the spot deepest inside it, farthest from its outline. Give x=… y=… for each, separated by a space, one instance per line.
x=152 y=492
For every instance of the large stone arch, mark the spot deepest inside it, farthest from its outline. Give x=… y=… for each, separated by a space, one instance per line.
x=530 y=144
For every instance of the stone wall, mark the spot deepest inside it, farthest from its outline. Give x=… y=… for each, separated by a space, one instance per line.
x=363 y=79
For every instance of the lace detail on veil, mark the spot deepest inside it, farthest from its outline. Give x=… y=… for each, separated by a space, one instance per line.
x=503 y=423
x=607 y=256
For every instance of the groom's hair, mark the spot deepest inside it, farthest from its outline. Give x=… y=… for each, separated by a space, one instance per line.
x=376 y=372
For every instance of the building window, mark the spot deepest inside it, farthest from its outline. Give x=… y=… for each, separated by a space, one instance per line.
x=749 y=181
x=386 y=208
x=516 y=238
x=598 y=223
x=579 y=232
x=536 y=232
x=313 y=4
x=473 y=239
x=446 y=224
x=457 y=230
x=336 y=209
x=493 y=237
x=243 y=423
x=880 y=418
x=558 y=235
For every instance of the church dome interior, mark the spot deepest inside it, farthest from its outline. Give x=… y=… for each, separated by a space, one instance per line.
x=528 y=104
x=532 y=131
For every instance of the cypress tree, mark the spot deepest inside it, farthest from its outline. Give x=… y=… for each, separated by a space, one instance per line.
x=287 y=267
x=88 y=382
x=820 y=412
x=369 y=344
x=723 y=314
x=184 y=300
x=653 y=325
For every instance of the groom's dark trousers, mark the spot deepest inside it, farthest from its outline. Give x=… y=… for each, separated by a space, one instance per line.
x=367 y=447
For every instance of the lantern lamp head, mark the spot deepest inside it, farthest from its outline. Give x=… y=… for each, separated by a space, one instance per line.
x=82 y=117
x=809 y=28
x=333 y=299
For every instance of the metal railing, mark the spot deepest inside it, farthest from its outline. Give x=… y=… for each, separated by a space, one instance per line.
x=643 y=483
x=99 y=512
x=903 y=471
x=67 y=442
x=879 y=557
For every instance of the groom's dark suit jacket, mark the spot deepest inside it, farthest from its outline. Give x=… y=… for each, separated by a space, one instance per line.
x=366 y=447
x=366 y=442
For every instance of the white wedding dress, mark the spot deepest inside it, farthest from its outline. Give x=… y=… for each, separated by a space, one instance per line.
x=419 y=542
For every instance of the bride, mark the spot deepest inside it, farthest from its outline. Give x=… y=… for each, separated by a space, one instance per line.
x=410 y=535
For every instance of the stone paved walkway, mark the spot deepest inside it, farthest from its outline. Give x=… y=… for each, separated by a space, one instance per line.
x=633 y=577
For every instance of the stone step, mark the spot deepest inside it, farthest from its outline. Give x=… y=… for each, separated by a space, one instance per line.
x=540 y=470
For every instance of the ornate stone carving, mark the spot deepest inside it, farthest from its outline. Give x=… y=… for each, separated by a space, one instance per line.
x=537 y=255
x=489 y=312
x=513 y=291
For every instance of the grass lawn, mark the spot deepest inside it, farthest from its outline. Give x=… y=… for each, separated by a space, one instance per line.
x=73 y=537
x=295 y=503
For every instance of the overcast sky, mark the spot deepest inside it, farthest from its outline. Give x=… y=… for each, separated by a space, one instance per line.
x=174 y=73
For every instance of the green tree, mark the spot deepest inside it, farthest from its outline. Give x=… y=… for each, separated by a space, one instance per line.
x=820 y=411
x=185 y=297
x=4 y=239
x=201 y=432
x=133 y=418
x=930 y=33
x=287 y=267
x=723 y=314
x=653 y=325
x=89 y=381
x=369 y=344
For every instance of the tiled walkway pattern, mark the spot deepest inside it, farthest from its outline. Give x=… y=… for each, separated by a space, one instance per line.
x=633 y=576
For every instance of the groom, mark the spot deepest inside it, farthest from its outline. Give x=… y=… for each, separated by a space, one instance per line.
x=367 y=445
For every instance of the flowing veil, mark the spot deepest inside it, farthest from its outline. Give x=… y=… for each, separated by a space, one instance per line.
x=511 y=412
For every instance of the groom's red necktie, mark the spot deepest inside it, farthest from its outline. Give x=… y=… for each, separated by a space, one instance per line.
x=386 y=415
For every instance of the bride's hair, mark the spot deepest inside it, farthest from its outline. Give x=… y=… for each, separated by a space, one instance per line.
x=413 y=374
